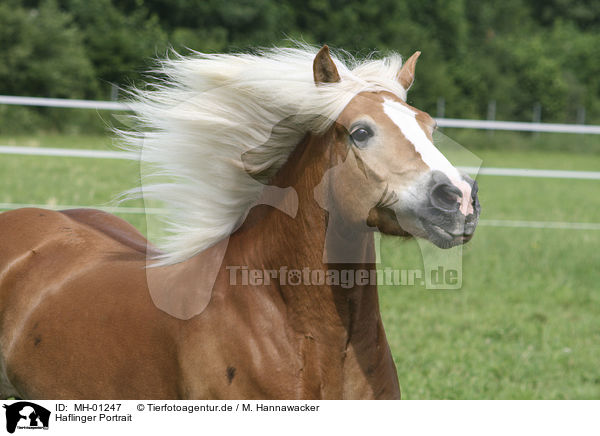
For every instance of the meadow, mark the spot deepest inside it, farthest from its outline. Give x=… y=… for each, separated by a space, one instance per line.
x=524 y=325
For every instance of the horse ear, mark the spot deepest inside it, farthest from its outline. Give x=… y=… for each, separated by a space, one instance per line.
x=406 y=76
x=324 y=70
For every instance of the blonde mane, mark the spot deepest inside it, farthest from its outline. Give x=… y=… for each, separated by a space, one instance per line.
x=209 y=109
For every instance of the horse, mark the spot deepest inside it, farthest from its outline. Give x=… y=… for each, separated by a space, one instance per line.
x=89 y=309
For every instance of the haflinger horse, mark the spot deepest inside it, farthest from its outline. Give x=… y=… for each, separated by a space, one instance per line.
x=90 y=310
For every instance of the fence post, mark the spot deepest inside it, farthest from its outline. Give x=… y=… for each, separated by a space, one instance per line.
x=581 y=115
x=491 y=114
x=441 y=107
x=114 y=92
x=537 y=116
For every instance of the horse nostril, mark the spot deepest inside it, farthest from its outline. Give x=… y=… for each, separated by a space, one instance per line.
x=446 y=197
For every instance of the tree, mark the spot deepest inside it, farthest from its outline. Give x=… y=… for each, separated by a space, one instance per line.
x=42 y=53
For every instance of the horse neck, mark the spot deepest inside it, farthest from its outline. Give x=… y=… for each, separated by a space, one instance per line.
x=272 y=240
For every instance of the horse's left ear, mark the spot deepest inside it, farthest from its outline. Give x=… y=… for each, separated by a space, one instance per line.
x=324 y=69
x=406 y=76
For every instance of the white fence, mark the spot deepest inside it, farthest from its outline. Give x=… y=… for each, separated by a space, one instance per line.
x=519 y=126
x=64 y=103
x=521 y=224
x=442 y=122
x=486 y=171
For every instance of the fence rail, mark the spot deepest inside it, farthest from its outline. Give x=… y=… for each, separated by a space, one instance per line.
x=523 y=224
x=442 y=122
x=66 y=152
x=486 y=171
x=519 y=126
x=64 y=103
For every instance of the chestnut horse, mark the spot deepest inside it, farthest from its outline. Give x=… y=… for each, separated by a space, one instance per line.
x=78 y=317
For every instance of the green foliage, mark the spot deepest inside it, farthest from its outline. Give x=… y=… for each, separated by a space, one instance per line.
x=119 y=46
x=517 y=52
x=42 y=53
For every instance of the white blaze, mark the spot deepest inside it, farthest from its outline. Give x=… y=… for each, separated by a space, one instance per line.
x=406 y=120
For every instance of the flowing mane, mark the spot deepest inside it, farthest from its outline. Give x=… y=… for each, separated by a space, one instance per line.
x=208 y=109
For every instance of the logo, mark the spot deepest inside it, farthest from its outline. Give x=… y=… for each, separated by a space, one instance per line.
x=26 y=415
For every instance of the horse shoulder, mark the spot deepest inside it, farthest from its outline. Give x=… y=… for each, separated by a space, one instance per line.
x=78 y=275
x=41 y=249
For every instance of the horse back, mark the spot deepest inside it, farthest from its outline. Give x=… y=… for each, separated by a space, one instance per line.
x=28 y=228
x=73 y=286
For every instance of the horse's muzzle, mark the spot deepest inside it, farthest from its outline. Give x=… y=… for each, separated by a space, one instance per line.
x=451 y=212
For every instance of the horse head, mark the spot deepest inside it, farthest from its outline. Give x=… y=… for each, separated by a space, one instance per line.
x=392 y=176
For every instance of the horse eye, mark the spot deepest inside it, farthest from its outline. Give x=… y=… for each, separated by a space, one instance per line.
x=360 y=136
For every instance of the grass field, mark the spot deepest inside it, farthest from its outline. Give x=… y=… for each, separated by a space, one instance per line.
x=526 y=323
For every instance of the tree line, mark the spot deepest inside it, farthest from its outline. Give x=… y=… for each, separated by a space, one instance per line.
x=518 y=53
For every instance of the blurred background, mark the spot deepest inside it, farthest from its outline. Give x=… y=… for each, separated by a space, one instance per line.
x=526 y=323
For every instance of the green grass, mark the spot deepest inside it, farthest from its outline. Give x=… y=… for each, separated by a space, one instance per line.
x=537 y=159
x=524 y=325
x=69 y=181
x=504 y=141
x=55 y=140
x=526 y=322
